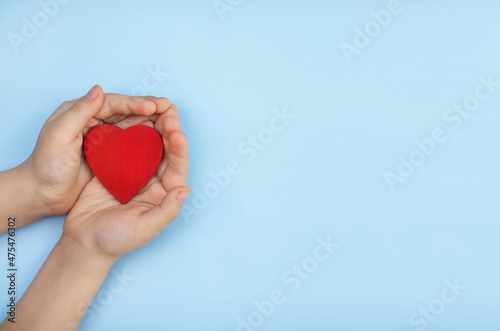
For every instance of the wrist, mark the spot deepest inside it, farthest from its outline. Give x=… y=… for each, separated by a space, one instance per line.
x=26 y=186
x=18 y=197
x=78 y=255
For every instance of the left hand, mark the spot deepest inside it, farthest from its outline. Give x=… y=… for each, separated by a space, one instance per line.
x=57 y=166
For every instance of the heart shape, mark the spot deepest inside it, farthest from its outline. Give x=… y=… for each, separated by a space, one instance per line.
x=123 y=160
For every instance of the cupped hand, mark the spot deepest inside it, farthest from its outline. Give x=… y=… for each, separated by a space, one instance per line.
x=57 y=166
x=102 y=225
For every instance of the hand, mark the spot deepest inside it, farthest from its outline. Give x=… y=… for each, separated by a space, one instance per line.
x=103 y=226
x=57 y=168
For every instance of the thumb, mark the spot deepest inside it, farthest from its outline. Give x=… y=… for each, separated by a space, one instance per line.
x=158 y=218
x=76 y=118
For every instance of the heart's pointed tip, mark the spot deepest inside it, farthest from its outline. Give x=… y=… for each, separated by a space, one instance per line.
x=123 y=201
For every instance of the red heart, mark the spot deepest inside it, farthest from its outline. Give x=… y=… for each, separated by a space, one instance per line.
x=123 y=160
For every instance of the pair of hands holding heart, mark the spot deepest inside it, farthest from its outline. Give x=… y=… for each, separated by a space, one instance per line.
x=96 y=220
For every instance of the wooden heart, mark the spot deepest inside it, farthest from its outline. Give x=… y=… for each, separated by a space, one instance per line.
x=123 y=160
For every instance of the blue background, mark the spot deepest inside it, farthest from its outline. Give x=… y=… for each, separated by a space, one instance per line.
x=323 y=175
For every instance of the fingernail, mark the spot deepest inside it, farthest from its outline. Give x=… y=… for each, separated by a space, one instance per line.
x=93 y=93
x=183 y=195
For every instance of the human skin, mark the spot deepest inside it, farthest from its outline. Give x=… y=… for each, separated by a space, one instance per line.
x=98 y=229
x=51 y=179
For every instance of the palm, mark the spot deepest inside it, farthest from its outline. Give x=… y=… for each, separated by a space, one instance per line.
x=110 y=227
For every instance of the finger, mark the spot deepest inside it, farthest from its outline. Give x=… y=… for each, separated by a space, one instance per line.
x=136 y=120
x=162 y=104
x=176 y=173
x=124 y=107
x=165 y=125
x=77 y=117
x=170 y=124
x=159 y=217
x=126 y=122
x=149 y=123
x=171 y=112
x=118 y=104
x=61 y=109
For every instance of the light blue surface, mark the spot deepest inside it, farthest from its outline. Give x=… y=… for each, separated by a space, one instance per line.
x=322 y=175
